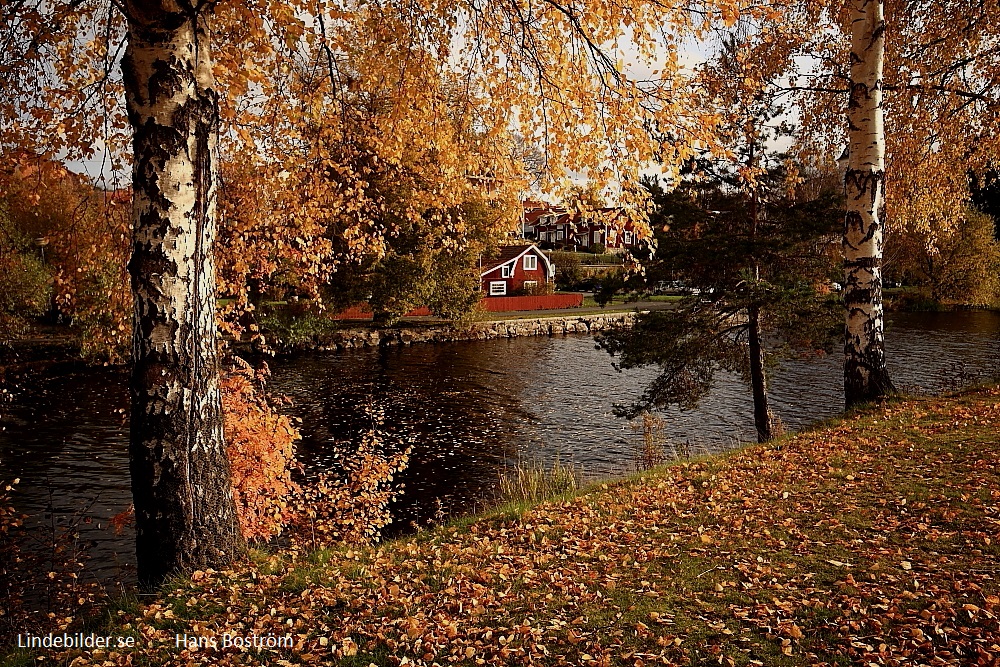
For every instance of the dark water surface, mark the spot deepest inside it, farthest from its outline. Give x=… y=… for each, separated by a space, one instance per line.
x=468 y=409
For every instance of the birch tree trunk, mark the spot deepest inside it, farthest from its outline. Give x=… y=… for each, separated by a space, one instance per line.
x=865 y=374
x=185 y=516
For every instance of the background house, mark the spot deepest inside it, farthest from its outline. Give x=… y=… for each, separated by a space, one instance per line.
x=560 y=228
x=516 y=269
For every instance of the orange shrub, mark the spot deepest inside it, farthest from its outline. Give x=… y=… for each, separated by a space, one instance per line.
x=261 y=454
x=75 y=237
x=349 y=504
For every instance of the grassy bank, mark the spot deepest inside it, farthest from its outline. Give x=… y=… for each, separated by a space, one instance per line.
x=868 y=541
x=627 y=300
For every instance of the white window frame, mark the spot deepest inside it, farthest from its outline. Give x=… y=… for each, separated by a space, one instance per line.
x=506 y=271
x=628 y=238
x=528 y=284
x=559 y=235
x=530 y=263
x=498 y=288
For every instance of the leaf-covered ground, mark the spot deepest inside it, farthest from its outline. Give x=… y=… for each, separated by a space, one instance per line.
x=870 y=542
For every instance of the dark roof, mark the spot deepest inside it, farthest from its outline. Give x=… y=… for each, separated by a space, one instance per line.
x=511 y=252
x=505 y=254
x=531 y=216
x=598 y=216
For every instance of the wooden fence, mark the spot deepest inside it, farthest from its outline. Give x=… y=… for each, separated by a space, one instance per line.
x=506 y=304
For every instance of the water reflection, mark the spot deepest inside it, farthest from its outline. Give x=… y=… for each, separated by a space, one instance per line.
x=457 y=405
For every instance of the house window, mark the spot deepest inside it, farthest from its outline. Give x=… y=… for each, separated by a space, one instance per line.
x=628 y=238
x=530 y=262
x=559 y=235
x=498 y=288
x=506 y=271
x=530 y=285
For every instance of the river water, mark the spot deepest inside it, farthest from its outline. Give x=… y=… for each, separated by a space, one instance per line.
x=468 y=410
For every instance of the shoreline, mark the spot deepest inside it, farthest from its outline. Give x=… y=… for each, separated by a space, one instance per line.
x=349 y=338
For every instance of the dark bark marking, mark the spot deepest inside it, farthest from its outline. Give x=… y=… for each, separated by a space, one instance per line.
x=859 y=90
x=165 y=80
x=878 y=33
x=865 y=376
x=864 y=181
x=852 y=221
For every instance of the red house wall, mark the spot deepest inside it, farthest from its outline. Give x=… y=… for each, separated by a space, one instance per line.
x=517 y=280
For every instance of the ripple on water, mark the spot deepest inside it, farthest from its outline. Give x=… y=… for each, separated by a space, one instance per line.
x=469 y=408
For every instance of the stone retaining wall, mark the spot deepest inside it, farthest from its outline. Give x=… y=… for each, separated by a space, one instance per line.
x=347 y=339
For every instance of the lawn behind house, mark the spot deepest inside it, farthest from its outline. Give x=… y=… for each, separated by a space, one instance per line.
x=872 y=541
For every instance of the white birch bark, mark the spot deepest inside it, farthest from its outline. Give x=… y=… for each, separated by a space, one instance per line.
x=865 y=374
x=185 y=517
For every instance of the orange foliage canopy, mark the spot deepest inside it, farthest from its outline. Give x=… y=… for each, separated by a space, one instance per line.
x=583 y=84
x=941 y=94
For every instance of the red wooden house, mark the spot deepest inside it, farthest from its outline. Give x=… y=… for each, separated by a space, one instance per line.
x=567 y=229
x=516 y=269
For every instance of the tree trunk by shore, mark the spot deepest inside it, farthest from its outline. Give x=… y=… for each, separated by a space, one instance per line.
x=763 y=419
x=865 y=375
x=185 y=516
